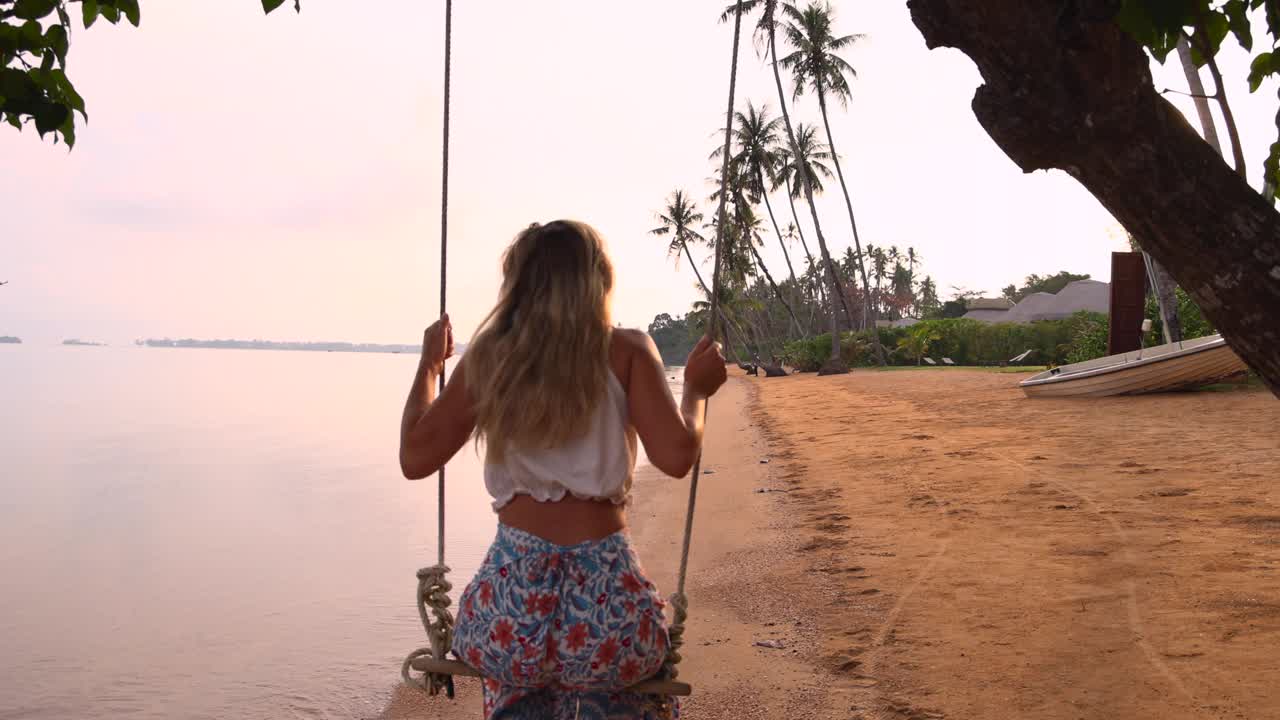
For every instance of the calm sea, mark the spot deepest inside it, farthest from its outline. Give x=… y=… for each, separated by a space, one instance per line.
x=212 y=533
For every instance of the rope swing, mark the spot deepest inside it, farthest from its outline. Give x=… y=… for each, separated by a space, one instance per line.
x=432 y=596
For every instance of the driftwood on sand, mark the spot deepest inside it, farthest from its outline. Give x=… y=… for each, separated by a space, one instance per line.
x=769 y=370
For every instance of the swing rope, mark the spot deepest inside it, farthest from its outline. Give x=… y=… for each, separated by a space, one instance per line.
x=432 y=596
x=433 y=587
x=679 y=601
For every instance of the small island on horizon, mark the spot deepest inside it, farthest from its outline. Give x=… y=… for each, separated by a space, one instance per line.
x=83 y=343
x=282 y=345
x=10 y=340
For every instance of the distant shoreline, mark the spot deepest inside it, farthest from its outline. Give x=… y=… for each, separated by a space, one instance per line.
x=277 y=345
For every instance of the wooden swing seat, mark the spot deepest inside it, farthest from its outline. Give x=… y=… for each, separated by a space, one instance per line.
x=453 y=667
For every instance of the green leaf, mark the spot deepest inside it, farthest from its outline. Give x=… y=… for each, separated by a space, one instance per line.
x=68 y=131
x=33 y=9
x=49 y=117
x=1211 y=33
x=67 y=93
x=89 y=8
x=1264 y=65
x=1273 y=16
x=269 y=6
x=131 y=11
x=1271 y=169
x=110 y=12
x=57 y=41
x=1237 y=12
x=31 y=37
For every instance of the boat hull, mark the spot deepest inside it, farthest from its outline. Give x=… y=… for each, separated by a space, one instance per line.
x=1158 y=369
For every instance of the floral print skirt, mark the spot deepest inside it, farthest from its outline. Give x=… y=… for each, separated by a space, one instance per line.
x=559 y=630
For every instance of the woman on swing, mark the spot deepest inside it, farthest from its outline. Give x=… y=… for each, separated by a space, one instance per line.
x=560 y=617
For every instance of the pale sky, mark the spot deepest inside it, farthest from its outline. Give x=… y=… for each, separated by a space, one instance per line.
x=278 y=177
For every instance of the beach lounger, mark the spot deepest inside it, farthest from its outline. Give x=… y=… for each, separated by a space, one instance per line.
x=930 y=361
x=948 y=361
x=1020 y=358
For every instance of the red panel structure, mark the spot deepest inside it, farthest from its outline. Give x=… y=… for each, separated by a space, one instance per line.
x=1128 y=301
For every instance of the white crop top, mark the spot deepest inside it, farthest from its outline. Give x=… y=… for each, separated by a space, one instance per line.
x=597 y=466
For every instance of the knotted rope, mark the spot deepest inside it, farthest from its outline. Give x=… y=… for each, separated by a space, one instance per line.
x=433 y=586
x=679 y=601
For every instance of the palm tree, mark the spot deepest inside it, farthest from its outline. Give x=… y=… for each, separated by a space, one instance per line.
x=767 y=24
x=815 y=63
x=811 y=160
x=912 y=260
x=917 y=341
x=749 y=235
x=679 y=219
x=928 y=296
x=756 y=152
x=743 y=233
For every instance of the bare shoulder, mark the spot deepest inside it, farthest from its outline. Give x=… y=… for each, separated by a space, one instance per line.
x=628 y=348
x=630 y=340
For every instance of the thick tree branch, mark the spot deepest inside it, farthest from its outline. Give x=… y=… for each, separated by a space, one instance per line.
x=1072 y=91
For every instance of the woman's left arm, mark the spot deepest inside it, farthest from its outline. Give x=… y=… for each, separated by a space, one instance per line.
x=433 y=430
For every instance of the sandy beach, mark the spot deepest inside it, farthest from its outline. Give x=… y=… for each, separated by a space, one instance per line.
x=929 y=544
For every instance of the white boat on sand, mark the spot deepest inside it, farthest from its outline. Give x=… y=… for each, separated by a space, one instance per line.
x=1176 y=366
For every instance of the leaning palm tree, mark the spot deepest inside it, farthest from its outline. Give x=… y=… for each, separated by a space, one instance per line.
x=741 y=236
x=767 y=25
x=680 y=219
x=814 y=63
x=756 y=152
x=813 y=155
x=749 y=235
x=755 y=155
x=811 y=160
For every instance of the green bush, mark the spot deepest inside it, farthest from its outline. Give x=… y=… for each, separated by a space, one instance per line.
x=1083 y=336
x=1194 y=323
x=1089 y=335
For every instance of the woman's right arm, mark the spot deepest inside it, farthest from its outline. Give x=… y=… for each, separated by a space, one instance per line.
x=672 y=437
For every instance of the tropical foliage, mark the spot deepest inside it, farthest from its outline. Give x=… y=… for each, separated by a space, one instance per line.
x=35 y=39
x=1041 y=284
x=1206 y=24
x=857 y=293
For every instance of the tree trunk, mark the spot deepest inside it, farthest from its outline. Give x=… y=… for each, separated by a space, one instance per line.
x=1163 y=285
x=1198 y=96
x=774 y=221
x=853 y=223
x=834 y=363
x=795 y=284
x=730 y=324
x=1069 y=89
x=799 y=230
x=777 y=292
x=819 y=295
x=1228 y=117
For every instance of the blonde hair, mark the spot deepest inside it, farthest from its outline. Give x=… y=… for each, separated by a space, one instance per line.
x=536 y=368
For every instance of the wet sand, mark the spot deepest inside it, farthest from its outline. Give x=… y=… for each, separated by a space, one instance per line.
x=930 y=544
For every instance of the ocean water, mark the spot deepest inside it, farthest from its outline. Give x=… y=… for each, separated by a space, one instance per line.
x=190 y=533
